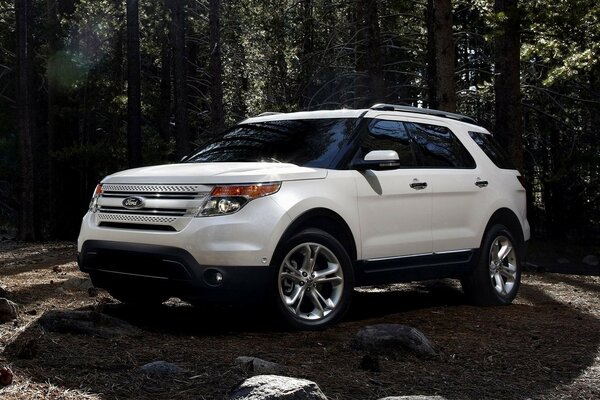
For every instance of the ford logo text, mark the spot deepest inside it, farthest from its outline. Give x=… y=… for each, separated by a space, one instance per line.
x=133 y=203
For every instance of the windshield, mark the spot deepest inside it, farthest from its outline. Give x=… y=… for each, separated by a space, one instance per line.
x=305 y=142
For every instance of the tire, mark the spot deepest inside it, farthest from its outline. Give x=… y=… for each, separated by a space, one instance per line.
x=314 y=280
x=136 y=298
x=497 y=276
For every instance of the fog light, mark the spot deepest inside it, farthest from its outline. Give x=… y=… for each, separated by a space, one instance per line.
x=213 y=277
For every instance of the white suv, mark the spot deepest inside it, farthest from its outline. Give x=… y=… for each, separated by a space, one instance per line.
x=303 y=207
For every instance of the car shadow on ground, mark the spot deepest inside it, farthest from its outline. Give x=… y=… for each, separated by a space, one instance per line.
x=524 y=350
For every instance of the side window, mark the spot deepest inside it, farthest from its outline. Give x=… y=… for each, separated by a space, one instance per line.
x=439 y=148
x=492 y=149
x=389 y=135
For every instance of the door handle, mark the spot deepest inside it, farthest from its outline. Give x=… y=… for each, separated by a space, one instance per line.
x=418 y=185
x=481 y=183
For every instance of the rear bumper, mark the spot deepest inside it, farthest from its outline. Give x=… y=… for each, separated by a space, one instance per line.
x=172 y=271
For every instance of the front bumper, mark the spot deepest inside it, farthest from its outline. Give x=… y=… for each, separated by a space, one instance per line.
x=172 y=271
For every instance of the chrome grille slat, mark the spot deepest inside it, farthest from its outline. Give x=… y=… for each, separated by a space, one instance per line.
x=148 y=219
x=177 y=213
x=137 y=188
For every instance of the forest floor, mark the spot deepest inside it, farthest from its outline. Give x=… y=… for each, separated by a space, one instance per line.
x=546 y=345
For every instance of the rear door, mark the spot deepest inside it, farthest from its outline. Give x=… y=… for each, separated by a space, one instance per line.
x=459 y=187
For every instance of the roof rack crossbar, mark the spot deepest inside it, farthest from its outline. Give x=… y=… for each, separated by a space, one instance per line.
x=428 y=111
x=268 y=113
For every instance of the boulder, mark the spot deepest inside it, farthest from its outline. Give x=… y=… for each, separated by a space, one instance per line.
x=414 y=398
x=591 y=259
x=79 y=284
x=161 y=368
x=384 y=338
x=85 y=323
x=8 y=310
x=272 y=387
x=259 y=366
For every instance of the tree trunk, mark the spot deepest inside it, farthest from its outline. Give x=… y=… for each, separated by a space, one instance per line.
x=216 y=69
x=182 y=137
x=445 y=85
x=507 y=86
x=25 y=116
x=431 y=67
x=369 y=64
x=307 y=68
x=164 y=111
x=134 y=106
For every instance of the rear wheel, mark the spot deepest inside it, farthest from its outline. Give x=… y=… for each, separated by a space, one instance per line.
x=314 y=280
x=497 y=276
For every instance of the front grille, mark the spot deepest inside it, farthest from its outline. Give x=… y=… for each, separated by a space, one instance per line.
x=164 y=206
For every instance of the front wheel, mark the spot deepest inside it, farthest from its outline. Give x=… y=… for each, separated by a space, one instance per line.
x=497 y=276
x=314 y=280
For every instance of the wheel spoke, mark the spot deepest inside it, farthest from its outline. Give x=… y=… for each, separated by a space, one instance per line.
x=507 y=272
x=329 y=304
x=499 y=282
x=331 y=269
x=293 y=277
x=504 y=251
x=317 y=302
x=290 y=301
x=301 y=296
x=494 y=251
x=313 y=259
x=306 y=260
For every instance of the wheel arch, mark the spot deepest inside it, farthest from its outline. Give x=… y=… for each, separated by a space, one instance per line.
x=508 y=218
x=326 y=220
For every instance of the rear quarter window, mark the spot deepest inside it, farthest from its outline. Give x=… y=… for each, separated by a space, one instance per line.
x=492 y=149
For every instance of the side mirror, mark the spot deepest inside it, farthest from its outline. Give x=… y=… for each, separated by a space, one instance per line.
x=378 y=160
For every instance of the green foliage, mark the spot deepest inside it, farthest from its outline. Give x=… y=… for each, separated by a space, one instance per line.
x=292 y=55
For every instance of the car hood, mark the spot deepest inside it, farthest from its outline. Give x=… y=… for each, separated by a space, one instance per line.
x=216 y=173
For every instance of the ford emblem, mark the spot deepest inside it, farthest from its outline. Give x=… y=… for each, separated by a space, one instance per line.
x=133 y=203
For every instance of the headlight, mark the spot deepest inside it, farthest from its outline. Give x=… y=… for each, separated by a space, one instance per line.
x=228 y=199
x=94 y=202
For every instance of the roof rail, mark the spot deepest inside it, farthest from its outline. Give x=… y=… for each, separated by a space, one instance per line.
x=268 y=113
x=428 y=111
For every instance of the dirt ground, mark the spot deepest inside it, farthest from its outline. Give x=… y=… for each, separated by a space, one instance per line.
x=544 y=346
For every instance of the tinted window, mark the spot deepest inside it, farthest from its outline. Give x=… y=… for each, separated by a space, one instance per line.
x=492 y=149
x=440 y=148
x=389 y=135
x=308 y=142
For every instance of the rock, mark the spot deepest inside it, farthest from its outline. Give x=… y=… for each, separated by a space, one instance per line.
x=161 y=368
x=8 y=310
x=86 y=323
x=591 y=259
x=83 y=284
x=28 y=350
x=6 y=376
x=383 y=338
x=272 y=387
x=563 y=260
x=414 y=398
x=92 y=292
x=259 y=366
x=56 y=269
